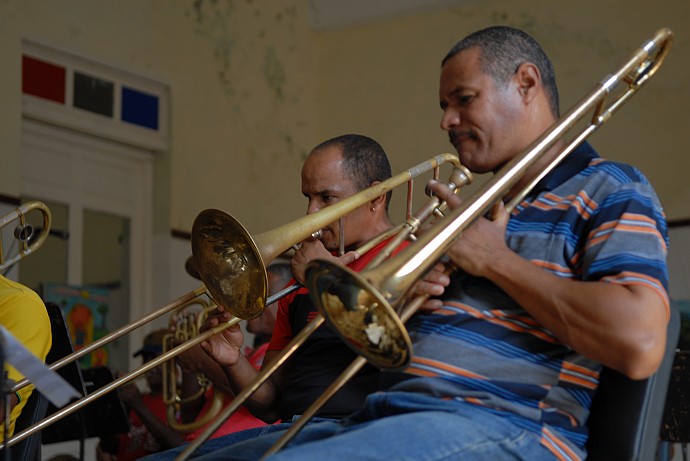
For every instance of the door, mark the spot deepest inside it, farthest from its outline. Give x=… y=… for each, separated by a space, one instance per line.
x=99 y=193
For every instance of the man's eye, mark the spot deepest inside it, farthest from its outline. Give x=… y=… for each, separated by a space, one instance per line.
x=465 y=99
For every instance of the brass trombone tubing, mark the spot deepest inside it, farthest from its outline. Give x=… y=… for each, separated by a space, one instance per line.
x=19 y=213
x=260 y=379
x=241 y=257
x=407 y=229
x=267 y=370
x=187 y=297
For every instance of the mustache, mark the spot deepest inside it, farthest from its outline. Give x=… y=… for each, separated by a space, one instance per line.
x=456 y=136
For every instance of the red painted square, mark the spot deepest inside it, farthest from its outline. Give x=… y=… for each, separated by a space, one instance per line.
x=43 y=79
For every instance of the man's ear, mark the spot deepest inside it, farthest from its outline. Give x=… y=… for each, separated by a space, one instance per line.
x=528 y=80
x=378 y=201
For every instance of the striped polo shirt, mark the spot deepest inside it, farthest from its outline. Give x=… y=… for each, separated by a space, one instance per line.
x=590 y=220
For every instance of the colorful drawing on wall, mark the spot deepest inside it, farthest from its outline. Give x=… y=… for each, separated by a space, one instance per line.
x=85 y=310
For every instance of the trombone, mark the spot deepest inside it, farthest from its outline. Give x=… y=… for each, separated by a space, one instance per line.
x=231 y=263
x=24 y=232
x=345 y=298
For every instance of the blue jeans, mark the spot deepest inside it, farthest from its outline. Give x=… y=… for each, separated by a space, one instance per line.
x=223 y=441
x=401 y=426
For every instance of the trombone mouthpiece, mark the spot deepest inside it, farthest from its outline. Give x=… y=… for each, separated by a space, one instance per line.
x=317 y=235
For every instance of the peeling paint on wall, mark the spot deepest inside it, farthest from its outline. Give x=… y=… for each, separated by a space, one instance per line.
x=255 y=46
x=274 y=72
x=214 y=20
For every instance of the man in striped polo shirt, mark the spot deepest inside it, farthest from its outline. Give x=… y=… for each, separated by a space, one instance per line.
x=573 y=279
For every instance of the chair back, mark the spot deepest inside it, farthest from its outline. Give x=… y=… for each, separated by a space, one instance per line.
x=34 y=411
x=625 y=419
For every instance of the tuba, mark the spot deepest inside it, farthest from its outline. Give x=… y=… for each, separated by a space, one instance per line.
x=184 y=325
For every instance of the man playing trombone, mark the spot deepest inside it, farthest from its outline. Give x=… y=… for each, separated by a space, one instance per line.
x=334 y=170
x=570 y=279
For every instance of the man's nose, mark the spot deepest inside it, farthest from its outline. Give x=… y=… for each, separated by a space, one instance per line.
x=450 y=119
x=313 y=207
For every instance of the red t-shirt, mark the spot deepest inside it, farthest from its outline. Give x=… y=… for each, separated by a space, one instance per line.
x=139 y=442
x=240 y=420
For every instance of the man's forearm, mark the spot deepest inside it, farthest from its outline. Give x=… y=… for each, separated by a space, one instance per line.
x=263 y=402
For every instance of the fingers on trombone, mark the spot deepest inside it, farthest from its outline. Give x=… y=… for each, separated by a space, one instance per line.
x=348 y=257
x=431 y=304
x=434 y=282
x=215 y=318
x=498 y=212
x=442 y=191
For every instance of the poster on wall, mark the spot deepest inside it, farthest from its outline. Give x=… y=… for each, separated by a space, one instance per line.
x=85 y=310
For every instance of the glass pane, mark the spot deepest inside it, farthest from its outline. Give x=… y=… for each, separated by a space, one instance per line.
x=105 y=264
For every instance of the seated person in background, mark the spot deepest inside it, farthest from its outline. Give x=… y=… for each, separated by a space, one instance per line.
x=262 y=326
x=573 y=279
x=334 y=170
x=24 y=315
x=149 y=431
x=195 y=361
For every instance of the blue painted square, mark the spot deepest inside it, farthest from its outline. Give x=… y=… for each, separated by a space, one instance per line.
x=139 y=108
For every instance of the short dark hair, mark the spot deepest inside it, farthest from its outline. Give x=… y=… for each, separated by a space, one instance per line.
x=282 y=270
x=364 y=160
x=502 y=50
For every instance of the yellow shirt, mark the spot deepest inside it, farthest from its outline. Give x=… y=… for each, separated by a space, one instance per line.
x=23 y=314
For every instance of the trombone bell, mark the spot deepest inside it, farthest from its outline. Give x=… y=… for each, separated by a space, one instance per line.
x=229 y=263
x=360 y=316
